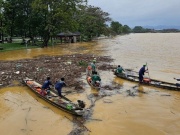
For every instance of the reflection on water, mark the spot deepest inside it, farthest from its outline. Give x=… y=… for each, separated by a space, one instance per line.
x=151 y=111
x=22 y=114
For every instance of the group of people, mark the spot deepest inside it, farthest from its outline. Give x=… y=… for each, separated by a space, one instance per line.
x=58 y=86
x=92 y=71
x=141 y=73
x=94 y=77
x=143 y=69
x=61 y=83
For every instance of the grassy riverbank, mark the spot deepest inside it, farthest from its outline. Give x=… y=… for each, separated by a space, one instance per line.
x=17 y=45
x=14 y=46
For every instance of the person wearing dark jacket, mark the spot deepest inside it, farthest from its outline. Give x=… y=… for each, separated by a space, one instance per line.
x=46 y=86
x=141 y=73
x=59 y=85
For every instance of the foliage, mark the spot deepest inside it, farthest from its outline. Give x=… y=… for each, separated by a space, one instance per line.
x=1 y=19
x=47 y=18
x=116 y=27
x=138 y=29
x=83 y=63
x=14 y=46
x=126 y=29
x=57 y=15
x=92 y=21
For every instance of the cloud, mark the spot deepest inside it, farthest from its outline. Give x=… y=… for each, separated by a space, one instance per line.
x=141 y=12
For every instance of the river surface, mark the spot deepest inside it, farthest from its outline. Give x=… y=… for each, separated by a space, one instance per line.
x=151 y=111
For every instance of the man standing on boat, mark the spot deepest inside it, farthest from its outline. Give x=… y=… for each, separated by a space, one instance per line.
x=59 y=85
x=141 y=73
x=46 y=86
x=93 y=66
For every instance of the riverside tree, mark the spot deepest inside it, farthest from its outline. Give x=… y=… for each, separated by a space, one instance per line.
x=1 y=20
x=92 y=21
x=57 y=15
x=116 y=27
x=46 y=18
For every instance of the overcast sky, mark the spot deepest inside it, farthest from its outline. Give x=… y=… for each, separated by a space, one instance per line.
x=141 y=12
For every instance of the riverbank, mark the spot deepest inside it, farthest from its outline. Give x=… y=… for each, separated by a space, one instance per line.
x=70 y=67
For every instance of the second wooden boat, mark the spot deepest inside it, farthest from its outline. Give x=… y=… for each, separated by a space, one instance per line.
x=97 y=85
x=150 y=82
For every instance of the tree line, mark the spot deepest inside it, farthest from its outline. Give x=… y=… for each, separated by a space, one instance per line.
x=47 y=18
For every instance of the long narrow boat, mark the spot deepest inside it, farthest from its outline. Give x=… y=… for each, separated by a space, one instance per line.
x=96 y=86
x=150 y=82
x=62 y=103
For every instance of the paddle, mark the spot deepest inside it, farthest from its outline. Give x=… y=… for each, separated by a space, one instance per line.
x=148 y=70
x=125 y=72
x=63 y=96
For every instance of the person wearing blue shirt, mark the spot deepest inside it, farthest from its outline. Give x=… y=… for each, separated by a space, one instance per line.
x=59 y=85
x=46 y=86
x=141 y=73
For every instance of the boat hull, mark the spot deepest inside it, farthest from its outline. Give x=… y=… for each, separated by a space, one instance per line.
x=63 y=103
x=153 y=82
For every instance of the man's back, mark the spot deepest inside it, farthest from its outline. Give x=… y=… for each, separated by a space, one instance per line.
x=96 y=78
x=46 y=84
x=93 y=66
x=142 y=70
x=59 y=84
x=119 y=70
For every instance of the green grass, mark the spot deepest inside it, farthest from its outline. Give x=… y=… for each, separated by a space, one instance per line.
x=15 y=46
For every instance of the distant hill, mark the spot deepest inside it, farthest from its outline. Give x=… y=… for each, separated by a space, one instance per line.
x=161 y=27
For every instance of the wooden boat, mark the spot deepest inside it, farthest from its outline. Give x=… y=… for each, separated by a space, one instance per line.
x=62 y=103
x=96 y=86
x=150 y=82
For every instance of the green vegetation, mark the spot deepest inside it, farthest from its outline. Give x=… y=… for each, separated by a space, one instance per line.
x=119 y=28
x=140 y=29
x=46 y=18
x=14 y=46
x=83 y=63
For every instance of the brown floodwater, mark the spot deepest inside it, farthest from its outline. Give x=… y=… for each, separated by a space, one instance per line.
x=151 y=111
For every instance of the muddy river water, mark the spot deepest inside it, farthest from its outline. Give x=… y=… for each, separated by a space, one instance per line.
x=151 y=111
